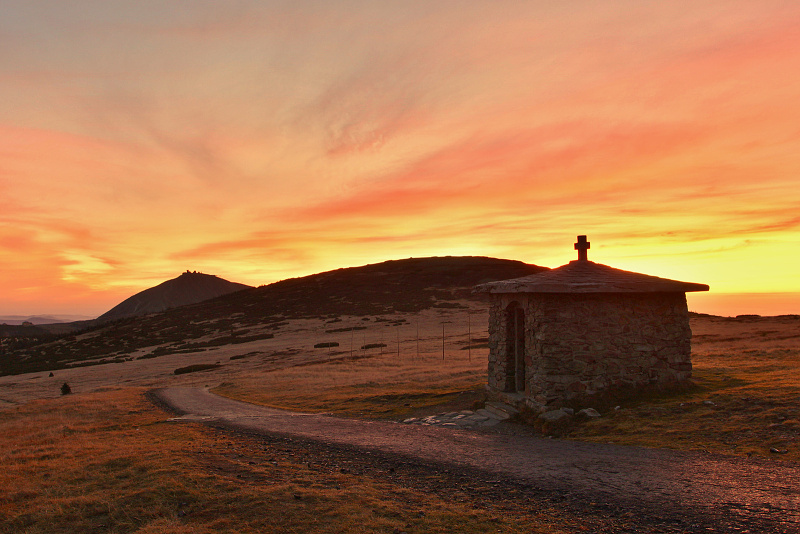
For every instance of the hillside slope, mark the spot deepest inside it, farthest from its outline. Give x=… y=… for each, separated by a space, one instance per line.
x=408 y=286
x=188 y=288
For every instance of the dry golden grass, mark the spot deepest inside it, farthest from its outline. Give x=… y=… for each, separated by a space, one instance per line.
x=109 y=462
x=393 y=382
x=748 y=368
x=382 y=386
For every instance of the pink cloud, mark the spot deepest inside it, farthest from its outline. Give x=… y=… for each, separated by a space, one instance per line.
x=547 y=162
x=389 y=130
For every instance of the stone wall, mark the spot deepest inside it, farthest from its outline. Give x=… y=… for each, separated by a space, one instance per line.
x=577 y=345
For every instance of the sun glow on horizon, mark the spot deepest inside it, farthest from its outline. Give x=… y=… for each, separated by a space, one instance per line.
x=265 y=141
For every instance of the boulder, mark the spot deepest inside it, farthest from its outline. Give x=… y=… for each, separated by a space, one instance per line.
x=554 y=415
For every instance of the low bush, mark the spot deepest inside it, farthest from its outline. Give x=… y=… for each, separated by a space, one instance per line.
x=196 y=367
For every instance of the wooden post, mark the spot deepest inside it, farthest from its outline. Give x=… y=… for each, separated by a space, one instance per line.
x=442 y=341
x=417 y=338
x=469 y=337
x=398 y=342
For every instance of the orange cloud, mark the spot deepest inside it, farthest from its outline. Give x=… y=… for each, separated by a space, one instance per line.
x=263 y=141
x=551 y=163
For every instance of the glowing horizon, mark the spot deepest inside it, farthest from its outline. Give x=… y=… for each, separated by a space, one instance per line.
x=270 y=140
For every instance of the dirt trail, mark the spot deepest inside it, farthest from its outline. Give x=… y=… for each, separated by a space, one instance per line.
x=730 y=494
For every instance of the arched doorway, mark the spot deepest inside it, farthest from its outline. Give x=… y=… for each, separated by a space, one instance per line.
x=515 y=348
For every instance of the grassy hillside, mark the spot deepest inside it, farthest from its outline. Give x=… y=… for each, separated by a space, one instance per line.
x=395 y=286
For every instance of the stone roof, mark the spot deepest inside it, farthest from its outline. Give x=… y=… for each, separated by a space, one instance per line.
x=583 y=276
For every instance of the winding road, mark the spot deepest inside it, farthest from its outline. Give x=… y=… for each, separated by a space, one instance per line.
x=733 y=494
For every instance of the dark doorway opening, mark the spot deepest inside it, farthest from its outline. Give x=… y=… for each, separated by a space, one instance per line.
x=515 y=348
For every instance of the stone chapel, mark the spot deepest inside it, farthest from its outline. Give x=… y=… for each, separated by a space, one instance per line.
x=582 y=328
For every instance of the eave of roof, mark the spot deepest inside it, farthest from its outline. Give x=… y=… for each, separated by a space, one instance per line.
x=582 y=276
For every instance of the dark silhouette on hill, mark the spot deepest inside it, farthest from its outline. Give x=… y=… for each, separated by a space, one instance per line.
x=188 y=288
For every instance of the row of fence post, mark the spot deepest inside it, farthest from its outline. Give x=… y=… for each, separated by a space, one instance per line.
x=380 y=343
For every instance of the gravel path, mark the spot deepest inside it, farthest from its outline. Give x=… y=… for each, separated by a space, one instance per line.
x=716 y=493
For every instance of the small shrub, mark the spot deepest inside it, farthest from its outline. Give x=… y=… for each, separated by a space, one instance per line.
x=240 y=356
x=449 y=305
x=196 y=367
x=346 y=329
x=65 y=389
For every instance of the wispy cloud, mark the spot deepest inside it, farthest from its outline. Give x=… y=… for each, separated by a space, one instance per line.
x=268 y=139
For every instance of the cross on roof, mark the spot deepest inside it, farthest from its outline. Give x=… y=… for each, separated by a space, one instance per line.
x=582 y=246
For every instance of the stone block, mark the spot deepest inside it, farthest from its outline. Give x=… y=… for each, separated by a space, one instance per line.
x=554 y=416
x=591 y=413
x=535 y=406
x=576 y=387
x=575 y=367
x=501 y=410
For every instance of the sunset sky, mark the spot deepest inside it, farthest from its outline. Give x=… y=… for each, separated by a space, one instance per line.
x=261 y=140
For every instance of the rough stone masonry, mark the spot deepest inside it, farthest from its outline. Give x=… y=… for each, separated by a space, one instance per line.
x=582 y=328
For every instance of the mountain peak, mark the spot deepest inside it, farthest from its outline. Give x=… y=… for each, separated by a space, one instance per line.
x=189 y=288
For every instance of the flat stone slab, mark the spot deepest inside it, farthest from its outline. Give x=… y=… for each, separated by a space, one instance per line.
x=465 y=419
x=475 y=418
x=489 y=423
x=493 y=414
x=501 y=410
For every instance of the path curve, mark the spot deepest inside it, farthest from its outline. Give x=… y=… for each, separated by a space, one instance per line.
x=755 y=492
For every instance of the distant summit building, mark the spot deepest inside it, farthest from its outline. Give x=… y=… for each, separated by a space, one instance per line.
x=582 y=328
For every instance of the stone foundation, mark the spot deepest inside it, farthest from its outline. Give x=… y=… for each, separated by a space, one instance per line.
x=578 y=345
